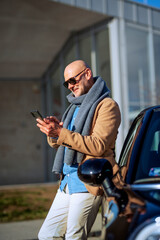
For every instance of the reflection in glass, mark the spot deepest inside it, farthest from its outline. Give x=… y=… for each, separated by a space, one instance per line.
x=85 y=49
x=139 y=92
x=149 y=158
x=157 y=65
x=103 y=57
x=69 y=54
x=56 y=92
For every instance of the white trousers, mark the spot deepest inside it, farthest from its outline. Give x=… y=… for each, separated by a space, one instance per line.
x=70 y=216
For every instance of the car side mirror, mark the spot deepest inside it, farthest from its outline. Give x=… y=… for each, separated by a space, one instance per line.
x=98 y=172
x=94 y=171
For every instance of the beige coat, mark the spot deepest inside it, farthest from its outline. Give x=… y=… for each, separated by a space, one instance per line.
x=101 y=141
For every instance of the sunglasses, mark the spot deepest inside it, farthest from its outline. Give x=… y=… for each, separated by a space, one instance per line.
x=72 y=80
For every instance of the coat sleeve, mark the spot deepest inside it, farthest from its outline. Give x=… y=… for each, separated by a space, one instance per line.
x=52 y=142
x=103 y=134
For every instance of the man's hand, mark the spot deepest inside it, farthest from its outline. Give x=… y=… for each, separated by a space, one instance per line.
x=51 y=126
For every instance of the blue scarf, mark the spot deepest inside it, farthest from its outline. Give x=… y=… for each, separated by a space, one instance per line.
x=83 y=122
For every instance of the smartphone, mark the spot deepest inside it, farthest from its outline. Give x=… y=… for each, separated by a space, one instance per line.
x=36 y=114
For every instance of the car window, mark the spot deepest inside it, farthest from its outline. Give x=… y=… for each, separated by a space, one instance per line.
x=149 y=158
x=129 y=142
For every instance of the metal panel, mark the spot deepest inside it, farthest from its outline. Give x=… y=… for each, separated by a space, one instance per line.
x=112 y=7
x=142 y=14
x=65 y=1
x=128 y=11
x=156 y=19
x=81 y=3
x=97 y=5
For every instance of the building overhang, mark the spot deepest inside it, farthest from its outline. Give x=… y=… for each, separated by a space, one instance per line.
x=33 y=32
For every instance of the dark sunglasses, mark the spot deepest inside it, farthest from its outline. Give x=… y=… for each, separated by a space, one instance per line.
x=72 y=80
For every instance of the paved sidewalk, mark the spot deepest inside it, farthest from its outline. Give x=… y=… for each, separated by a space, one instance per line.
x=28 y=230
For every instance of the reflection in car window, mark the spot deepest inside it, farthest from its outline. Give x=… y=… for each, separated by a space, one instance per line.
x=126 y=151
x=149 y=160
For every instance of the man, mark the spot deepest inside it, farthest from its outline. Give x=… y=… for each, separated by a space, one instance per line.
x=88 y=129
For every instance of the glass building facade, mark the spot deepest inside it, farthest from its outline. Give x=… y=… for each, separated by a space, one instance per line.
x=143 y=55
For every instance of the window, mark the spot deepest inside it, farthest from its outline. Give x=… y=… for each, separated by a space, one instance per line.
x=85 y=49
x=157 y=68
x=129 y=142
x=70 y=54
x=56 y=92
x=103 y=57
x=149 y=159
x=139 y=92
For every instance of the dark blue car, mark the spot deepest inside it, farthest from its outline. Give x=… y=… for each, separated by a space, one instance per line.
x=139 y=164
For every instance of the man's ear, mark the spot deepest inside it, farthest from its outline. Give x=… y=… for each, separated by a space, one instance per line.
x=88 y=73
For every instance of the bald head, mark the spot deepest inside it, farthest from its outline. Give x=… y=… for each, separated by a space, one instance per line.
x=74 y=68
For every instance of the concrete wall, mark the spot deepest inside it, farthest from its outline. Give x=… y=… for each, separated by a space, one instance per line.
x=21 y=157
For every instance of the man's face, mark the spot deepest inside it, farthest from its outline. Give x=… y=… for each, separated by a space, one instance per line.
x=81 y=84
